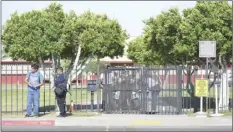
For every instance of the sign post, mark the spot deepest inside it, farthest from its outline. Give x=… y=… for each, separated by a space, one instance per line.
x=201 y=90
x=91 y=85
x=207 y=49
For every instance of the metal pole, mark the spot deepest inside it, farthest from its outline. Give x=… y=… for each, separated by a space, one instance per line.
x=97 y=84
x=92 y=100
x=201 y=99
x=216 y=98
x=207 y=66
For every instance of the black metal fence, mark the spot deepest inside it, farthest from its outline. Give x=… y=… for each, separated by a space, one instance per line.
x=14 y=90
x=144 y=90
x=158 y=91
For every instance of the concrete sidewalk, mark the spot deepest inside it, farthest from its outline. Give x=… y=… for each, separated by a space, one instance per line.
x=133 y=120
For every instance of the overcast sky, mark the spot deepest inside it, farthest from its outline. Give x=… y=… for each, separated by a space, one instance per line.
x=129 y=13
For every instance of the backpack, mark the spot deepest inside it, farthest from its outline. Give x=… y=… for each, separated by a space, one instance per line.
x=60 y=89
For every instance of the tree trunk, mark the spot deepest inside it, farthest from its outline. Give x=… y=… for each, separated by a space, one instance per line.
x=80 y=68
x=41 y=61
x=163 y=80
x=73 y=66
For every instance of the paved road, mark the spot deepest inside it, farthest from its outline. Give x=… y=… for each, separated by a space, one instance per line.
x=117 y=128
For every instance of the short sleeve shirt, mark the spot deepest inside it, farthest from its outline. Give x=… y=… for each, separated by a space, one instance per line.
x=34 y=79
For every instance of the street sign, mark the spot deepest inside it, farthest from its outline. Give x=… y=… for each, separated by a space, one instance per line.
x=201 y=87
x=207 y=49
x=91 y=85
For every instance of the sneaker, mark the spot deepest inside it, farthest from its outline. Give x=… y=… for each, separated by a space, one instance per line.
x=61 y=116
x=36 y=116
x=28 y=115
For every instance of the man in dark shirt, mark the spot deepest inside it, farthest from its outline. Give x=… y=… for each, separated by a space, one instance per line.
x=61 y=99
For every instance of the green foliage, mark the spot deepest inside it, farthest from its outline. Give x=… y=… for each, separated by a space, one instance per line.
x=92 y=66
x=38 y=34
x=34 y=34
x=141 y=54
x=162 y=34
x=207 y=21
x=173 y=37
x=97 y=34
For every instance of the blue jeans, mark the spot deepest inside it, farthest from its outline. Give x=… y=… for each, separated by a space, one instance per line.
x=33 y=98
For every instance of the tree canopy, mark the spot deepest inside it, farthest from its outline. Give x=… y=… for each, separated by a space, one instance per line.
x=35 y=34
x=52 y=33
x=96 y=33
x=174 y=37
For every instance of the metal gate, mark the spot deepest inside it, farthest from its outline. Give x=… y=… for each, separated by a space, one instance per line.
x=142 y=90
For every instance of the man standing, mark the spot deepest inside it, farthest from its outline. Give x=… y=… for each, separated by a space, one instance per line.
x=34 y=81
x=60 y=91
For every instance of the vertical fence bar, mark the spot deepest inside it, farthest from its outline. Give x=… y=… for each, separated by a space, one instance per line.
x=44 y=91
x=185 y=97
x=6 y=77
x=97 y=85
x=49 y=85
x=175 y=86
x=11 y=89
x=87 y=92
x=17 y=92
x=22 y=79
x=179 y=94
x=81 y=83
x=76 y=86
x=158 y=94
x=163 y=75
x=106 y=89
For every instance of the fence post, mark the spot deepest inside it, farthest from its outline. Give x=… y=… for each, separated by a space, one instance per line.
x=98 y=85
x=179 y=90
x=144 y=90
x=104 y=89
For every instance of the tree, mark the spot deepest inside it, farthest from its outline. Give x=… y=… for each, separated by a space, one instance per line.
x=90 y=35
x=207 y=21
x=162 y=35
x=175 y=37
x=40 y=34
x=141 y=53
x=34 y=35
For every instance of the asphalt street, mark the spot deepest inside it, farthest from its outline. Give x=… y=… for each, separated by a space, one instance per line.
x=117 y=128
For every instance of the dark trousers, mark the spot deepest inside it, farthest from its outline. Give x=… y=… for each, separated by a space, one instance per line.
x=61 y=102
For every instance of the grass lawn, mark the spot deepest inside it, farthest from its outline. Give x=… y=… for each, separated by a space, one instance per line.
x=16 y=99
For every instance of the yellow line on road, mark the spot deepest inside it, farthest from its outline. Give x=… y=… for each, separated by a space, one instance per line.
x=107 y=127
x=146 y=122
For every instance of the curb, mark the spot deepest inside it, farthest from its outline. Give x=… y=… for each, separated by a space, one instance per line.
x=28 y=123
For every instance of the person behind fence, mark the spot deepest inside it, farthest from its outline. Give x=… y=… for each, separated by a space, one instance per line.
x=34 y=81
x=60 y=91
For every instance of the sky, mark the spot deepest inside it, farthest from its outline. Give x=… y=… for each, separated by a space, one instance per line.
x=129 y=14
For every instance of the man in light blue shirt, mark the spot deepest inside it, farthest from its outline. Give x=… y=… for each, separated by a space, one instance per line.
x=34 y=80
